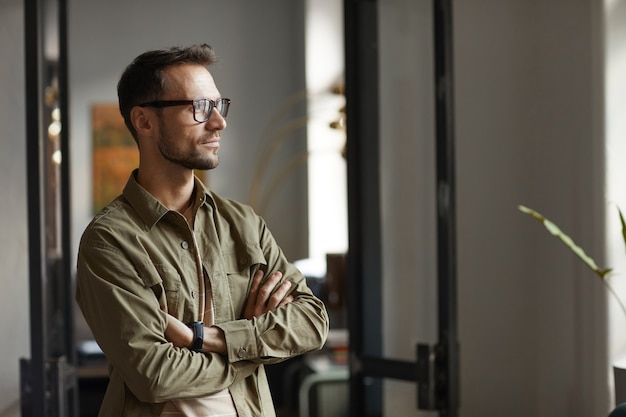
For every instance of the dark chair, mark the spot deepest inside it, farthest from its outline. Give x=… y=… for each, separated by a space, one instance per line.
x=620 y=411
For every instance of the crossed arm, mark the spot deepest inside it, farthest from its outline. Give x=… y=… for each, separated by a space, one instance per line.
x=261 y=299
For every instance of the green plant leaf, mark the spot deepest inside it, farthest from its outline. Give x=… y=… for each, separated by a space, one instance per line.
x=602 y=273
x=556 y=231
x=621 y=219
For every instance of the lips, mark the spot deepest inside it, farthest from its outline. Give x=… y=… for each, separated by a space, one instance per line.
x=211 y=143
x=210 y=137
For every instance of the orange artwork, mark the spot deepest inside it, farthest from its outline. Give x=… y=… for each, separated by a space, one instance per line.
x=115 y=154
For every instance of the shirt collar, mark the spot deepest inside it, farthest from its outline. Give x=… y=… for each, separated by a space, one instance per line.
x=149 y=208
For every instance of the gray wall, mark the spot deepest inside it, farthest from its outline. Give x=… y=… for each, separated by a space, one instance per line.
x=14 y=317
x=529 y=130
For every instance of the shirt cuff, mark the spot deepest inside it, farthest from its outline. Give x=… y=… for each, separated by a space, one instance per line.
x=240 y=340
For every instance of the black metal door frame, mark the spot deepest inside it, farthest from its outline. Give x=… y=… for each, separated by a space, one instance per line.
x=48 y=383
x=436 y=369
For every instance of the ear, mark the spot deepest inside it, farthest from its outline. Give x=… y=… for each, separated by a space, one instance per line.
x=143 y=120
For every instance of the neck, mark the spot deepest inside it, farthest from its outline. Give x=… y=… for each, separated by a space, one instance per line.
x=173 y=190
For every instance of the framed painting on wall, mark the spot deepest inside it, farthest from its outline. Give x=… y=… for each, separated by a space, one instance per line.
x=115 y=154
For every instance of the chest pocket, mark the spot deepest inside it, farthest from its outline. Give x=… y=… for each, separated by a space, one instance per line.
x=240 y=268
x=165 y=282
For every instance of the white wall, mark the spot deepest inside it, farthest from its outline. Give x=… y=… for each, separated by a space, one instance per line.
x=14 y=317
x=616 y=170
x=328 y=217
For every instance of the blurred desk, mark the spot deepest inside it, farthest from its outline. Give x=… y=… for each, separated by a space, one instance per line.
x=93 y=377
x=324 y=391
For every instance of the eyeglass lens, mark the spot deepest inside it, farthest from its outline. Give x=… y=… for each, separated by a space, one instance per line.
x=203 y=108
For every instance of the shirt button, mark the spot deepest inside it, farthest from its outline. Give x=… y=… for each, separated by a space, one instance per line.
x=241 y=352
x=242 y=261
x=184 y=245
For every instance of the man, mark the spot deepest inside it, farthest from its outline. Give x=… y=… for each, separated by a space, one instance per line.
x=187 y=293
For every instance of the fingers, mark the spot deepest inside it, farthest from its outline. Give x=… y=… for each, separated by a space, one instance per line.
x=267 y=290
x=278 y=295
x=286 y=300
x=267 y=296
x=250 y=309
x=256 y=283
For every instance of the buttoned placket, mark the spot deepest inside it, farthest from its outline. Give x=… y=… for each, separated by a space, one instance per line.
x=199 y=268
x=201 y=283
x=217 y=279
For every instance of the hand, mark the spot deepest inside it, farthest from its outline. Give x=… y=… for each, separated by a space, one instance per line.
x=266 y=297
x=178 y=332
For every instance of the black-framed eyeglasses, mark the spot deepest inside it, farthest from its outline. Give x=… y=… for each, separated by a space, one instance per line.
x=202 y=107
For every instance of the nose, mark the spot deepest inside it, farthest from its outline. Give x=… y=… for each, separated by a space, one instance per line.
x=216 y=121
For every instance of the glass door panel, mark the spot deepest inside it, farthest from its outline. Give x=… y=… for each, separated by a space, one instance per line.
x=401 y=262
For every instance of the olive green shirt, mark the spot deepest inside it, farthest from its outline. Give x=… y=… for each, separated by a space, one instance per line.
x=139 y=260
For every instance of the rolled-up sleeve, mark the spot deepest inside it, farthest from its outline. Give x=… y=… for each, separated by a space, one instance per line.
x=287 y=331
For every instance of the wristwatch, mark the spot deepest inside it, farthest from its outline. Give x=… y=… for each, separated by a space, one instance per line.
x=198 y=335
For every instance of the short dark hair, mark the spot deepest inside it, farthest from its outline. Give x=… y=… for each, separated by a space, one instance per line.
x=143 y=79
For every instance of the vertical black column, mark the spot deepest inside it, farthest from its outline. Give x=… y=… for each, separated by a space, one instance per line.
x=364 y=231
x=48 y=387
x=447 y=366
x=34 y=375
x=65 y=283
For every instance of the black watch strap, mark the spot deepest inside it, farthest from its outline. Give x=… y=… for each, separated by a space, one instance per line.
x=198 y=335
